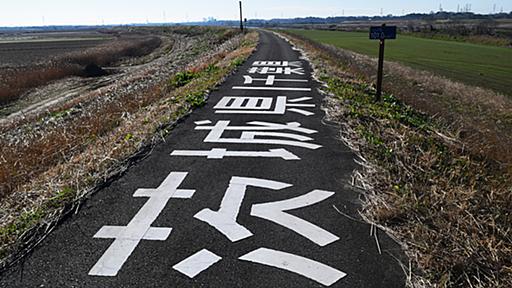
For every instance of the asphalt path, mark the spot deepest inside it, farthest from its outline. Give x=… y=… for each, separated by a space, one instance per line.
x=246 y=192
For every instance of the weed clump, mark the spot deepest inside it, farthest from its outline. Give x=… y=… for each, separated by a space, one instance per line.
x=196 y=99
x=183 y=78
x=237 y=62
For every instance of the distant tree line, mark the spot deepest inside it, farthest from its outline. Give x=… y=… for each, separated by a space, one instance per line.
x=414 y=16
x=484 y=27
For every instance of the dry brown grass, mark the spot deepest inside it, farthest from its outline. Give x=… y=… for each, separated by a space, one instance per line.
x=54 y=168
x=447 y=198
x=112 y=52
x=15 y=82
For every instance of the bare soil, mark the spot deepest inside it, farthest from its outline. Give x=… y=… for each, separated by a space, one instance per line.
x=40 y=73
x=28 y=52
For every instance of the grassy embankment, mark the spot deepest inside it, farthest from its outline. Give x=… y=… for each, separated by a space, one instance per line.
x=69 y=151
x=478 y=65
x=446 y=196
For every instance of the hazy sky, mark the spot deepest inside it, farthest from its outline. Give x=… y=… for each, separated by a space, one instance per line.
x=93 y=12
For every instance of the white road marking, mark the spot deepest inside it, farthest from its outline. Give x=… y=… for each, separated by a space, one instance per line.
x=271 y=79
x=278 y=63
x=153 y=233
x=261 y=105
x=272 y=88
x=274 y=212
x=254 y=105
x=204 y=122
x=300 y=105
x=276 y=70
x=311 y=269
x=157 y=234
x=220 y=153
x=224 y=220
x=127 y=238
x=301 y=99
x=249 y=137
x=197 y=263
x=300 y=111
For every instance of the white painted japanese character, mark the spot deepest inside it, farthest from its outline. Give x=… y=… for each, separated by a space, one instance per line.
x=278 y=63
x=127 y=238
x=270 y=80
x=256 y=130
x=262 y=105
x=276 y=70
x=225 y=221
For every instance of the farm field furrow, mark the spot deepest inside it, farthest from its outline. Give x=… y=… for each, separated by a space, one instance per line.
x=13 y=54
x=479 y=65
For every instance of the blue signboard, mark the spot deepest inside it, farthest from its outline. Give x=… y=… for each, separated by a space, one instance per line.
x=382 y=32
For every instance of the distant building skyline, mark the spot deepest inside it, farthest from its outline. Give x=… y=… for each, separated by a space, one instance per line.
x=101 y=12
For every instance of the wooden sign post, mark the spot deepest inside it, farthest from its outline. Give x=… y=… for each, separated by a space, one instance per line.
x=381 y=33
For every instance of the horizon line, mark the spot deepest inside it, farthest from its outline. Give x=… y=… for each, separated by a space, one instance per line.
x=255 y=19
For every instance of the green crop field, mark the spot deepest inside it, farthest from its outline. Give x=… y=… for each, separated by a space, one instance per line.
x=479 y=65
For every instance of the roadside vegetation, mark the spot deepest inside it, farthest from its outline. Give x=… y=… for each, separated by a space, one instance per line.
x=52 y=160
x=14 y=82
x=436 y=169
x=478 y=65
x=488 y=31
x=492 y=29
x=475 y=39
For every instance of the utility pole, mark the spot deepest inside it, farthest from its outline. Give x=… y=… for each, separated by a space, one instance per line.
x=241 y=18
